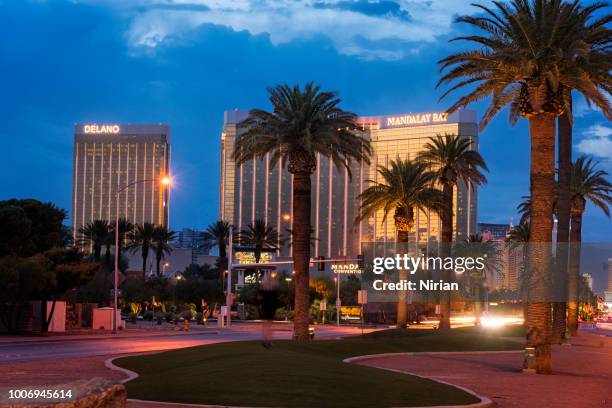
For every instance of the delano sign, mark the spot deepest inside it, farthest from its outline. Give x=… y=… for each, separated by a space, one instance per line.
x=416 y=119
x=97 y=129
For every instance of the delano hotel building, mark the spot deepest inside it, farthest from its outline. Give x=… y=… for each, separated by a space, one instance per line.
x=109 y=157
x=255 y=190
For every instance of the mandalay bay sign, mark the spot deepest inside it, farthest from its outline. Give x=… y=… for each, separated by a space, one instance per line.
x=415 y=119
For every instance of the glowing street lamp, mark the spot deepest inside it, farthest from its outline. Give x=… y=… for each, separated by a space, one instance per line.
x=164 y=181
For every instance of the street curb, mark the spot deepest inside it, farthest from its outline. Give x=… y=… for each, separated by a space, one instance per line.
x=131 y=375
x=485 y=402
x=180 y=404
x=93 y=337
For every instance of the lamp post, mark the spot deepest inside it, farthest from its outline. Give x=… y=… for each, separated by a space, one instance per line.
x=165 y=181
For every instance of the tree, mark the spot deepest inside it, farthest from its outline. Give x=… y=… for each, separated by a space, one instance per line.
x=64 y=269
x=29 y=227
x=161 y=238
x=406 y=187
x=587 y=184
x=125 y=228
x=452 y=159
x=475 y=247
x=95 y=235
x=259 y=235
x=142 y=238
x=217 y=234
x=15 y=227
x=21 y=278
x=304 y=122
x=528 y=58
x=595 y=38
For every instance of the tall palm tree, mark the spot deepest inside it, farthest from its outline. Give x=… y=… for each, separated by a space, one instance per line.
x=452 y=159
x=142 y=238
x=95 y=234
x=588 y=184
x=217 y=234
x=406 y=187
x=125 y=227
x=259 y=235
x=595 y=38
x=528 y=58
x=489 y=252
x=303 y=123
x=161 y=245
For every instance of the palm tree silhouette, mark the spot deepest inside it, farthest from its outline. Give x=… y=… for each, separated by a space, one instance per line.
x=530 y=56
x=303 y=123
x=406 y=187
x=161 y=239
x=587 y=184
x=452 y=160
x=142 y=238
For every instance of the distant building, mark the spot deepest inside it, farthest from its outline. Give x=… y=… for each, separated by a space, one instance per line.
x=258 y=190
x=174 y=263
x=109 y=157
x=588 y=279
x=493 y=232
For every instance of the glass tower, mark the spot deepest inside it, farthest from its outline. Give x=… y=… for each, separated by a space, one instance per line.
x=109 y=157
x=255 y=190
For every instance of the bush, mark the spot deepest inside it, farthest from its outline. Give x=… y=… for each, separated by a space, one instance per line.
x=148 y=315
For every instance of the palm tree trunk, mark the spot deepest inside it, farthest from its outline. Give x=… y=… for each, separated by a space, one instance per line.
x=538 y=319
x=445 y=250
x=574 y=270
x=301 y=252
x=158 y=260
x=145 y=255
x=477 y=301
x=563 y=224
x=402 y=306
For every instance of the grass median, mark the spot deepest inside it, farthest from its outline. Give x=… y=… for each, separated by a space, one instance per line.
x=292 y=374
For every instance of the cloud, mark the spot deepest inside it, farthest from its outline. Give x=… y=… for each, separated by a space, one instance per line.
x=369 y=29
x=598 y=142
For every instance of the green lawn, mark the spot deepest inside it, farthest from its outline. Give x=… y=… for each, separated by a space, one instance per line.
x=312 y=374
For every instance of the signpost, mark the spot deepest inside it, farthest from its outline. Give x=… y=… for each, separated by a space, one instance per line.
x=362 y=299
x=323 y=308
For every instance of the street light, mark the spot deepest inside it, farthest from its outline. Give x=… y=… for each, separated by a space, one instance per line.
x=164 y=181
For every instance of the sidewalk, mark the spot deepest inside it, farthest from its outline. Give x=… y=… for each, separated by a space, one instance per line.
x=582 y=374
x=102 y=335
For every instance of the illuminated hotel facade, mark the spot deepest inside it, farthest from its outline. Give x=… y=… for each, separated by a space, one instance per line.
x=255 y=190
x=109 y=157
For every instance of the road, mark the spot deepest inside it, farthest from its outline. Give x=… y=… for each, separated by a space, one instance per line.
x=56 y=348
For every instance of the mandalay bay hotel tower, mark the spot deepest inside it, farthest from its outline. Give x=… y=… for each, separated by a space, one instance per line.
x=255 y=190
x=108 y=158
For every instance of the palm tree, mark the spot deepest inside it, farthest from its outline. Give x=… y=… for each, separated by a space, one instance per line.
x=217 y=234
x=125 y=227
x=161 y=238
x=406 y=187
x=259 y=235
x=304 y=122
x=529 y=58
x=452 y=159
x=142 y=238
x=596 y=39
x=475 y=247
x=95 y=234
x=588 y=184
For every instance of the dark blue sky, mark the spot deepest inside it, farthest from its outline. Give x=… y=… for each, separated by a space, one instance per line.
x=183 y=64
